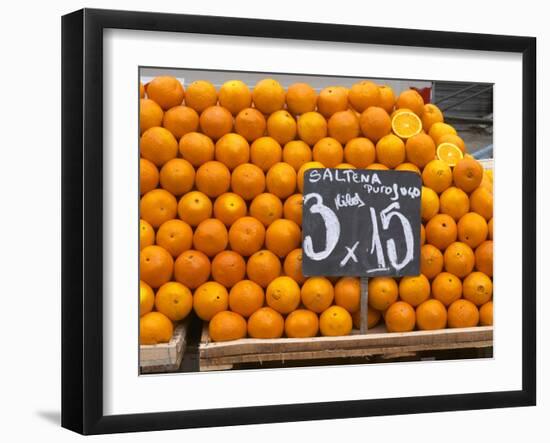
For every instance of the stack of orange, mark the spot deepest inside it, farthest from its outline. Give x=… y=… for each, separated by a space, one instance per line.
x=221 y=176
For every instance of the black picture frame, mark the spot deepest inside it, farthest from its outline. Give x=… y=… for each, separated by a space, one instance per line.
x=82 y=215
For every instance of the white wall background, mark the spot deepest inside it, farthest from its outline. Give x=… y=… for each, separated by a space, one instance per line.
x=30 y=112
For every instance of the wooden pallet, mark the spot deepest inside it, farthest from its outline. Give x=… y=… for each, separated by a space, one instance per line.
x=164 y=357
x=375 y=343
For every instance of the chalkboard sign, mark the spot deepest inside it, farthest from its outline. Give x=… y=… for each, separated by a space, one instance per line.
x=363 y=223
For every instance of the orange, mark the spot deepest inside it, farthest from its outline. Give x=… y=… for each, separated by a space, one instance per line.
x=431 y=261
x=478 y=288
x=446 y=288
x=301 y=98
x=345 y=166
x=486 y=314
x=155 y=266
x=347 y=294
x=441 y=231
x=158 y=206
x=174 y=300
x=332 y=99
x=408 y=167
x=375 y=123
x=177 y=176
x=158 y=145
x=196 y=148
x=150 y=115
x=420 y=149
x=317 y=294
x=373 y=317
x=481 y=201
x=155 y=328
x=281 y=180
x=462 y=314
x=293 y=266
x=200 y=95
x=343 y=126
x=400 y=317
x=146 y=298
x=175 y=236
x=431 y=114
x=246 y=297
x=282 y=236
x=265 y=152
x=459 y=259
x=296 y=153
x=431 y=315
x=406 y=124
x=293 y=207
x=486 y=181
x=335 y=321
x=303 y=169
x=148 y=176
x=490 y=227
x=146 y=234
x=468 y=174
x=387 y=98
x=383 y=292
x=266 y=323
x=213 y=178
x=360 y=152
x=283 y=295
x=141 y=90
x=329 y=152
x=312 y=127
x=390 y=151
x=232 y=150
x=281 y=126
x=472 y=229
x=439 y=129
x=268 y=96
x=429 y=203
x=266 y=208
x=229 y=207
x=209 y=299
x=194 y=207
x=246 y=236
x=301 y=324
x=250 y=123
x=263 y=267
x=414 y=289
x=454 y=202
x=437 y=175
x=210 y=237
x=422 y=235
x=216 y=121
x=248 y=181
x=181 y=120
x=235 y=96
x=227 y=325
x=484 y=257
x=449 y=153
x=410 y=99
x=455 y=140
x=228 y=268
x=192 y=268
x=364 y=94
x=167 y=91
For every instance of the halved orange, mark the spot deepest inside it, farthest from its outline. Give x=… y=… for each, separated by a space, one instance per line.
x=405 y=124
x=449 y=153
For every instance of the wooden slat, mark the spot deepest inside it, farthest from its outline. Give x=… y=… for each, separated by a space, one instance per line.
x=374 y=339
x=166 y=356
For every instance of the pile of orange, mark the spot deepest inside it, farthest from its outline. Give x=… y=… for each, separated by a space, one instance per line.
x=221 y=176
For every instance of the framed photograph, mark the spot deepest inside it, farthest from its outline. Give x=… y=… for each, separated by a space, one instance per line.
x=269 y=221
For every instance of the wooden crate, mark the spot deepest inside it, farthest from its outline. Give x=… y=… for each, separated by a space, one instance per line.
x=164 y=357
x=375 y=343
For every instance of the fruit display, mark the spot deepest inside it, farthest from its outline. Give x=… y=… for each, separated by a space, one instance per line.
x=221 y=182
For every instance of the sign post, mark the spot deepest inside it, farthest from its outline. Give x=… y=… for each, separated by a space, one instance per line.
x=361 y=223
